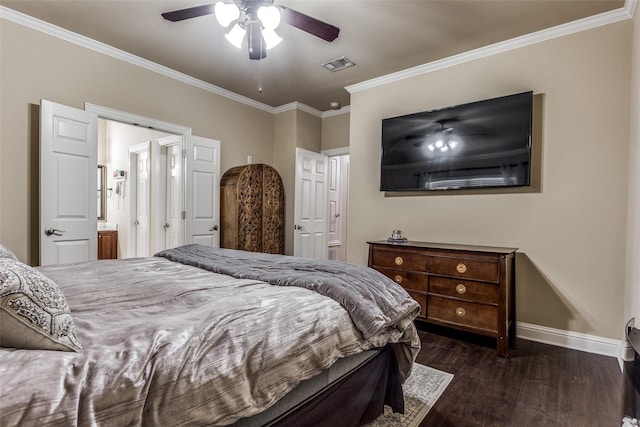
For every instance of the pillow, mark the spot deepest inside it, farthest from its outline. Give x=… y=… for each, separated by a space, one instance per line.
x=33 y=311
x=5 y=252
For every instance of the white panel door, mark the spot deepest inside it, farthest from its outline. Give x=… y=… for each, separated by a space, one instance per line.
x=310 y=238
x=68 y=184
x=334 y=229
x=173 y=199
x=142 y=203
x=203 y=191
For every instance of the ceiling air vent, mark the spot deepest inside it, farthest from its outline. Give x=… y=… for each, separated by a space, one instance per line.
x=338 y=64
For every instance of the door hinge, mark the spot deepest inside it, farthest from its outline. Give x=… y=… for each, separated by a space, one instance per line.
x=184 y=214
x=184 y=153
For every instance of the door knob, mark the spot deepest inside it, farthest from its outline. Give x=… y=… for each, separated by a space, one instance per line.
x=53 y=232
x=166 y=225
x=214 y=228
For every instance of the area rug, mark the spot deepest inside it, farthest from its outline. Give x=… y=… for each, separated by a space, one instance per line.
x=421 y=390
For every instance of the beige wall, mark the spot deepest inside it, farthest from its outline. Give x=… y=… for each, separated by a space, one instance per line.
x=632 y=295
x=292 y=129
x=571 y=234
x=284 y=160
x=335 y=131
x=37 y=66
x=309 y=129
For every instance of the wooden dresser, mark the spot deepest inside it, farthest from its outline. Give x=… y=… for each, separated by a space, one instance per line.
x=252 y=209
x=107 y=244
x=471 y=288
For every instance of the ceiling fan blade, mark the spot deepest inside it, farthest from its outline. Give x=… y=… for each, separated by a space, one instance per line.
x=191 y=12
x=311 y=25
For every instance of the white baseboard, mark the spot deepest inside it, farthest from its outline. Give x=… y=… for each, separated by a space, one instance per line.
x=574 y=340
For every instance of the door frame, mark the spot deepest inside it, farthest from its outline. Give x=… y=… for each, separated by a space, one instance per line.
x=182 y=133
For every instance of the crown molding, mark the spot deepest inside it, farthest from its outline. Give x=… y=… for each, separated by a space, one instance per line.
x=621 y=14
x=303 y=107
x=297 y=106
x=331 y=113
x=63 y=34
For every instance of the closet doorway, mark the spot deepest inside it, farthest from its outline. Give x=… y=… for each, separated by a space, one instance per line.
x=144 y=187
x=337 y=202
x=338 y=206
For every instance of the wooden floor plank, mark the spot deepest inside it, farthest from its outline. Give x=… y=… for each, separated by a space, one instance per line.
x=539 y=385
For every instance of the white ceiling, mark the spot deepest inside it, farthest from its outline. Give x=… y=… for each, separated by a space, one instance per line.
x=380 y=36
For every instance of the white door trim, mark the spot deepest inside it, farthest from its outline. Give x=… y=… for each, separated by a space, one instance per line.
x=336 y=151
x=133 y=119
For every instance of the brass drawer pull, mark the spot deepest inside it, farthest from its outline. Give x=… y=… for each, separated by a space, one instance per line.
x=399 y=260
x=461 y=289
x=461 y=268
x=398 y=278
x=460 y=311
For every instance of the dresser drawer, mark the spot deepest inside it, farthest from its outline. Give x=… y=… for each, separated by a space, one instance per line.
x=406 y=279
x=421 y=299
x=464 y=289
x=400 y=260
x=465 y=267
x=463 y=313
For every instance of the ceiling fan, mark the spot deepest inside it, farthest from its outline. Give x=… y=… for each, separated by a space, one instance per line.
x=257 y=19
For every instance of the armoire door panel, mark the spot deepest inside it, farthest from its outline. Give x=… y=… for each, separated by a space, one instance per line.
x=252 y=209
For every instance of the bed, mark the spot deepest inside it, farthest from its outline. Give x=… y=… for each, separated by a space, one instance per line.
x=204 y=336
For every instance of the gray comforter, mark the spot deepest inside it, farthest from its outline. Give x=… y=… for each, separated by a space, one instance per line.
x=171 y=344
x=373 y=301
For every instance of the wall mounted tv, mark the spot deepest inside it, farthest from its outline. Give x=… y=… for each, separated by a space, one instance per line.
x=483 y=144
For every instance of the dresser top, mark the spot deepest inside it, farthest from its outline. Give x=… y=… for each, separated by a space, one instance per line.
x=446 y=246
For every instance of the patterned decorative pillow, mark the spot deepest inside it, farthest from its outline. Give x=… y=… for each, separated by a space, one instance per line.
x=5 y=252
x=33 y=311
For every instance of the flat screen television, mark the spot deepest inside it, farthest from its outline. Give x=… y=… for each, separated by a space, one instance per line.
x=483 y=144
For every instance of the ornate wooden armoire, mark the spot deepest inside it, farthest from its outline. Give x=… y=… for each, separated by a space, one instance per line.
x=252 y=209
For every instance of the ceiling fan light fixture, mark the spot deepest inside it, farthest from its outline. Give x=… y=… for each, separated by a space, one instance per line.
x=236 y=35
x=256 y=20
x=269 y=16
x=271 y=38
x=226 y=13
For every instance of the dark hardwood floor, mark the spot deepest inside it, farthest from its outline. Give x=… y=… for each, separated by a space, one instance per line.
x=539 y=385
